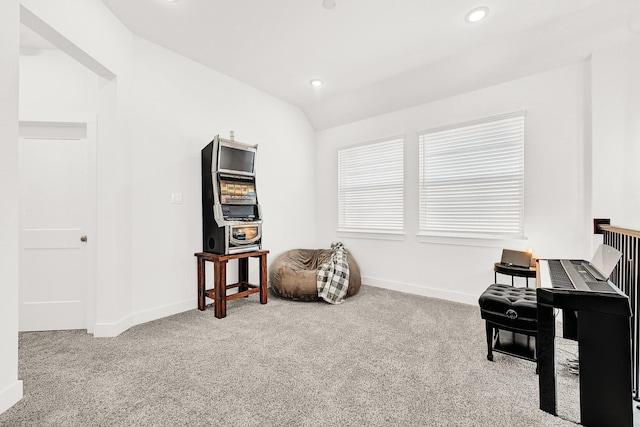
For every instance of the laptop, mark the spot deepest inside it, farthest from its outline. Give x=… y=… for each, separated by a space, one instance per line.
x=511 y=258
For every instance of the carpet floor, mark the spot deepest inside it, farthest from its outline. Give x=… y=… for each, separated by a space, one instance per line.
x=382 y=358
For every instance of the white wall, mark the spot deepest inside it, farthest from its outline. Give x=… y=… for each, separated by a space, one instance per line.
x=179 y=107
x=10 y=386
x=50 y=80
x=145 y=267
x=102 y=43
x=154 y=115
x=557 y=218
x=616 y=134
x=156 y=110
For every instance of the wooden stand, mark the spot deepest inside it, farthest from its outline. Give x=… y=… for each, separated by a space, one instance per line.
x=219 y=292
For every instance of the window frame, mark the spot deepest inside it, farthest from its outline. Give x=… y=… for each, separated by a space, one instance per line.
x=440 y=136
x=395 y=188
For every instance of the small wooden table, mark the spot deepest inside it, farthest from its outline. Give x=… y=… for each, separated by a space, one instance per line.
x=219 y=292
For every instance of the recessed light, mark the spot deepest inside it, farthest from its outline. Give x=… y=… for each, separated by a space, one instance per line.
x=477 y=14
x=328 y=4
x=315 y=83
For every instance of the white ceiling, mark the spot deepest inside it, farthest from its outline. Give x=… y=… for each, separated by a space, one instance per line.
x=375 y=56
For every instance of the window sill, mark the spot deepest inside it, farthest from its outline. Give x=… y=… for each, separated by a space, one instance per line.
x=484 y=241
x=372 y=234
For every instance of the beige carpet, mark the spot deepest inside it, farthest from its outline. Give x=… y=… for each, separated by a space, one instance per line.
x=382 y=358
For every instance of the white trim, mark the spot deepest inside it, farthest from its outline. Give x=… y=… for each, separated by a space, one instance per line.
x=10 y=396
x=498 y=242
x=108 y=330
x=164 y=311
x=374 y=141
x=56 y=117
x=482 y=120
x=92 y=219
x=372 y=234
x=421 y=290
x=471 y=178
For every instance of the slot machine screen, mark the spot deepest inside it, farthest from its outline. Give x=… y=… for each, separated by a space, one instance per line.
x=237 y=192
x=233 y=159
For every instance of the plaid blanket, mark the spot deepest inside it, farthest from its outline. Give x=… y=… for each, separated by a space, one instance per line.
x=333 y=276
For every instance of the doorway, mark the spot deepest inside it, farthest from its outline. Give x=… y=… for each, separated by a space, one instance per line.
x=57 y=224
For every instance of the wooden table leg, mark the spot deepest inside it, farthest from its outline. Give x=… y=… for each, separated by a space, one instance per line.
x=220 y=289
x=263 y=279
x=201 y=284
x=243 y=273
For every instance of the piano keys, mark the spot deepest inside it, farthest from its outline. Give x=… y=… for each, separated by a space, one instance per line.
x=597 y=314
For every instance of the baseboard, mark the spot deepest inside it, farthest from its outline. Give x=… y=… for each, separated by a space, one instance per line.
x=422 y=290
x=164 y=311
x=10 y=396
x=108 y=330
x=105 y=330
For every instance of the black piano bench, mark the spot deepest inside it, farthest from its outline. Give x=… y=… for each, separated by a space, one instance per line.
x=512 y=309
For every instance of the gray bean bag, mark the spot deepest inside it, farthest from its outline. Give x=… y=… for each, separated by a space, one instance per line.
x=293 y=274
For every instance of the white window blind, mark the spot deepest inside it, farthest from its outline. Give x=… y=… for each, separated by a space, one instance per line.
x=371 y=187
x=472 y=179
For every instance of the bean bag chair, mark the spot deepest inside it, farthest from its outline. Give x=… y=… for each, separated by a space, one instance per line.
x=293 y=274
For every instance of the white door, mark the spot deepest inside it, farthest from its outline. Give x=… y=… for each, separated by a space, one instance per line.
x=54 y=264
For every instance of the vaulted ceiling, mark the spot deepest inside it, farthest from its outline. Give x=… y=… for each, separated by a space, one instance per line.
x=376 y=56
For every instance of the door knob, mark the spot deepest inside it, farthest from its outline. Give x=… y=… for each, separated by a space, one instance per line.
x=83 y=239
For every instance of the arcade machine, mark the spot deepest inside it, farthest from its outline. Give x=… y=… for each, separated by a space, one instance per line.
x=231 y=218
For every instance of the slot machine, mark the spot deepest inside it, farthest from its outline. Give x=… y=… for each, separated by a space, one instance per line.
x=231 y=217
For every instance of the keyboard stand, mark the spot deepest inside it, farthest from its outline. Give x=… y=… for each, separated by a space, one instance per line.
x=604 y=348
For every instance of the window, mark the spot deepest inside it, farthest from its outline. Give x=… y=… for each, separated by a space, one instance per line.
x=371 y=187
x=472 y=179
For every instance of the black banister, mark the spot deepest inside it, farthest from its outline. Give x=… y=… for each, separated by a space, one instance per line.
x=625 y=277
